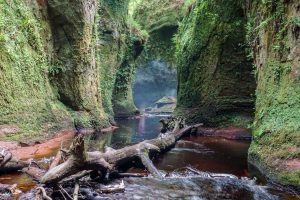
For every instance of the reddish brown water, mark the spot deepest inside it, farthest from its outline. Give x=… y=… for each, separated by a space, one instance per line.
x=208 y=154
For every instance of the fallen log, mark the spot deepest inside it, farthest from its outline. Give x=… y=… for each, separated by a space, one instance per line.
x=56 y=159
x=34 y=172
x=124 y=175
x=9 y=163
x=113 y=160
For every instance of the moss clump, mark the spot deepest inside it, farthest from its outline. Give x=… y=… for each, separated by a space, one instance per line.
x=215 y=81
x=272 y=32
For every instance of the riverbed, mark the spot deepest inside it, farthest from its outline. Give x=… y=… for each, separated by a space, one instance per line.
x=194 y=163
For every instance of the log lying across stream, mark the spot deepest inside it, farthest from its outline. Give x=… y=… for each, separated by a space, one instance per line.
x=112 y=160
x=9 y=163
x=78 y=163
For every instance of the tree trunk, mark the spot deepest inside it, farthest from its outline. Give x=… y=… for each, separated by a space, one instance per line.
x=112 y=160
x=9 y=163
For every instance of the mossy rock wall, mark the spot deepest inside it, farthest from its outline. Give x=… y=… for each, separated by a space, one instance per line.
x=123 y=104
x=160 y=19
x=112 y=36
x=59 y=62
x=274 y=33
x=27 y=101
x=215 y=77
x=76 y=75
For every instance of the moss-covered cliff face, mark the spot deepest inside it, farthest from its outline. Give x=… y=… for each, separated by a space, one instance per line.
x=76 y=71
x=27 y=101
x=132 y=38
x=115 y=41
x=215 y=80
x=123 y=104
x=160 y=19
x=274 y=32
x=60 y=61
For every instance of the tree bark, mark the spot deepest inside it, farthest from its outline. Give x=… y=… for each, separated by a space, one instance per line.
x=9 y=163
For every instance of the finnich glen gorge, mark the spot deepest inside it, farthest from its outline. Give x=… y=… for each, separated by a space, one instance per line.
x=150 y=99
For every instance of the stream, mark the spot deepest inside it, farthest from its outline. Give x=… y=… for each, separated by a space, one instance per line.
x=197 y=168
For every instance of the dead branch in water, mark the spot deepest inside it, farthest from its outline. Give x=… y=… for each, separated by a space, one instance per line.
x=41 y=194
x=112 y=160
x=9 y=163
x=76 y=191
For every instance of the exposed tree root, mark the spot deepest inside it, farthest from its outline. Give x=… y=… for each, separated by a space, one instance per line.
x=41 y=194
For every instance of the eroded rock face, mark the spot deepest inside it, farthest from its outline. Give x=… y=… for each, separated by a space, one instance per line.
x=59 y=62
x=160 y=19
x=76 y=77
x=274 y=32
x=27 y=101
x=215 y=80
x=119 y=44
x=111 y=26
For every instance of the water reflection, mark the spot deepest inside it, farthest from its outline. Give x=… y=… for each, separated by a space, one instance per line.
x=130 y=131
x=207 y=154
x=203 y=153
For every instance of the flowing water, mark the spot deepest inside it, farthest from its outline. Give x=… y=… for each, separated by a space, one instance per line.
x=197 y=168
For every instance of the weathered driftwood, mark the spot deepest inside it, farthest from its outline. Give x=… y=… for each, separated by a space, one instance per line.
x=76 y=191
x=34 y=172
x=9 y=163
x=112 y=160
x=124 y=175
x=56 y=159
x=41 y=194
x=112 y=188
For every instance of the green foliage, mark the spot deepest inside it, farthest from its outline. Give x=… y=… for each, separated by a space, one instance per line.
x=55 y=69
x=136 y=29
